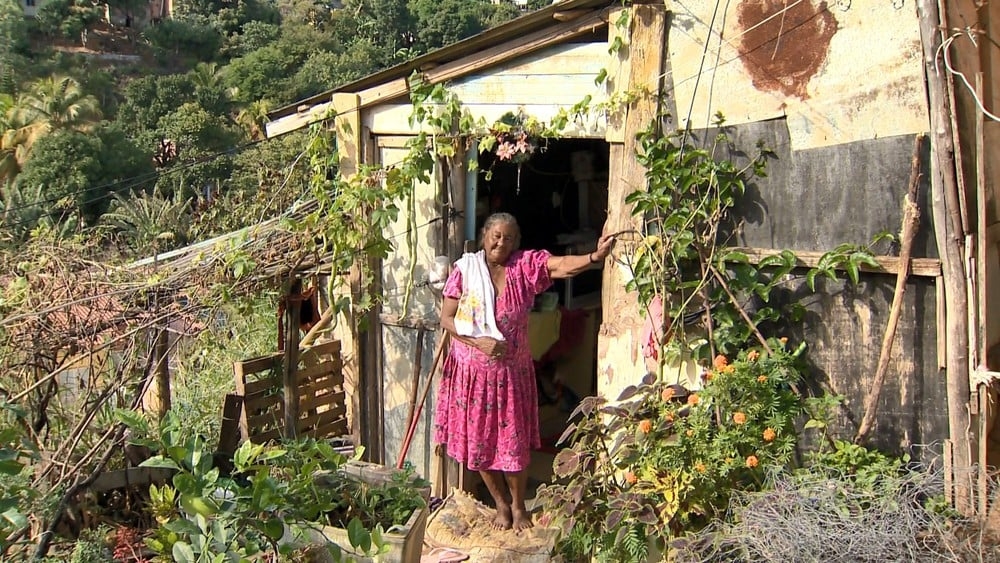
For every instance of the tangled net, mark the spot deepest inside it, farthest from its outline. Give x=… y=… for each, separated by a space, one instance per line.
x=815 y=517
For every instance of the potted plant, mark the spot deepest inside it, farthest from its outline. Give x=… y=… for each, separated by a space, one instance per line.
x=376 y=512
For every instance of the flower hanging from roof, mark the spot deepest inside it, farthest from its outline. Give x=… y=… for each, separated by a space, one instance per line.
x=513 y=138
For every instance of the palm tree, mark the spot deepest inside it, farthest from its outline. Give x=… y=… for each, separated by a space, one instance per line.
x=206 y=76
x=253 y=119
x=151 y=220
x=56 y=102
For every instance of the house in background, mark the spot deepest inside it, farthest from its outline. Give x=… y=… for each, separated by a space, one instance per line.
x=840 y=91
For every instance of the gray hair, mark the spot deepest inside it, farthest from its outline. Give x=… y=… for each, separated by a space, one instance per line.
x=499 y=219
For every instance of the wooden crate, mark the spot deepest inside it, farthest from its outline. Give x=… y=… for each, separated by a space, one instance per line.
x=320 y=383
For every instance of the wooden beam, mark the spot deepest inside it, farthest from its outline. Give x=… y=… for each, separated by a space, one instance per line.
x=488 y=57
x=348 y=129
x=449 y=71
x=927 y=267
x=290 y=366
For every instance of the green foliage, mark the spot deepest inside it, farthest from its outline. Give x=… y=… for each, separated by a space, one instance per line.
x=67 y=18
x=183 y=39
x=660 y=460
x=277 y=494
x=865 y=467
x=847 y=257
x=91 y=547
x=149 y=98
x=150 y=222
x=198 y=136
x=442 y=22
x=16 y=492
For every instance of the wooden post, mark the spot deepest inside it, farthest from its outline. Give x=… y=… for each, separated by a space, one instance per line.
x=946 y=211
x=644 y=57
x=157 y=397
x=289 y=375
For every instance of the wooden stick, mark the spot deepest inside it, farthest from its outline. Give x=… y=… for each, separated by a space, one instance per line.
x=418 y=353
x=911 y=220
x=438 y=354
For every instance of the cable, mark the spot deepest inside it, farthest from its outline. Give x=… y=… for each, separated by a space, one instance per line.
x=945 y=47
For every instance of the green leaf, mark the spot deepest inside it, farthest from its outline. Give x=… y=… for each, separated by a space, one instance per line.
x=813 y=423
x=358 y=535
x=601 y=77
x=161 y=462
x=183 y=553
x=737 y=256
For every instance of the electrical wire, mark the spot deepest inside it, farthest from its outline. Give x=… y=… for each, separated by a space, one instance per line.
x=944 y=51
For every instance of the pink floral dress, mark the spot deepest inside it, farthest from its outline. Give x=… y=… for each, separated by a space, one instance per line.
x=487 y=409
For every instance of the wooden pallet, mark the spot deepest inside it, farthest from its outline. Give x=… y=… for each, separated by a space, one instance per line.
x=322 y=399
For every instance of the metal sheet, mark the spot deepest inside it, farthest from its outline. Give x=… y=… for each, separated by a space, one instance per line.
x=838 y=71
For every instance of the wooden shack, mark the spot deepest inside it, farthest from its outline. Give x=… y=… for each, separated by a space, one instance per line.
x=839 y=90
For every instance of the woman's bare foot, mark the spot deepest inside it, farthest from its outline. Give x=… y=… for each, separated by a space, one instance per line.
x=522 y=520
x=504 y=519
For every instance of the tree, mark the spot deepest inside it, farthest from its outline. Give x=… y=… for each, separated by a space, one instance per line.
x=151 y=221
x=77 y=173
x=13 y=44
x=63 y=166
x=203 y=142
x=54 y=103
x=68 y=18
x=149 y=98
x=324 y=70
x=176 y=40
x=442 y=22
x=253 y=119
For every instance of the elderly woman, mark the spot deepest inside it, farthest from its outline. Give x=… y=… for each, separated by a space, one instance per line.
x=487 y=406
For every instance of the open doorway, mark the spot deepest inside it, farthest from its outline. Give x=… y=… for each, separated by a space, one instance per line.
x=560 y=199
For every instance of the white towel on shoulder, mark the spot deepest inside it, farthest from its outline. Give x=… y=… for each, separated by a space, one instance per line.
x=476 y=315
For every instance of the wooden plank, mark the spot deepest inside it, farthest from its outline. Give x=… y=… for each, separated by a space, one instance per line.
x=298 y=120
x=321 y=387
x=333 y=429
x=132 y=476
x=565 y=59
x=505 y=89
x=324 y=417
x=266 y=386
x=323 y=370
x=394 y=141
x=229 y=432
x=619 y=73
x=393 y=119
x=332 y=399
x=928 y=267
x=348 y=127
x=982 y=469
x=257 y=365
x=254 y=405
x=331 y=348
x=941 y=320
x=489 y=57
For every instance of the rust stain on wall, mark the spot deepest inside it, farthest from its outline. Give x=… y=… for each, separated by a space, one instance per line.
x=783 y=44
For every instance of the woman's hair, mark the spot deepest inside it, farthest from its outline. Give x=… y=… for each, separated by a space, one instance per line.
x=499 y=219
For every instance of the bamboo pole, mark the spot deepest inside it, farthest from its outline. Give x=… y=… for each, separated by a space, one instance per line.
x=911 y=221
x=293 y=311
x=948 y=230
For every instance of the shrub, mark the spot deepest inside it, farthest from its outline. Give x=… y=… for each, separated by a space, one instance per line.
x=662 y=458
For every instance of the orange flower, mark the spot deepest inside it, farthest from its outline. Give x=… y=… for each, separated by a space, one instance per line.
x=645 y=426
x=783 y=340
x=729 y=460
x=667 y=394
x=693 y=399
x=752 y=355
x=761 y=379
x=752 y=461
x=770 y=434
x=707 y=376
x=699 y=467
x=669 y=417
x=720 y=362
x=739 y=418
x=689 y=433
x=630 y=478
x=729 y=369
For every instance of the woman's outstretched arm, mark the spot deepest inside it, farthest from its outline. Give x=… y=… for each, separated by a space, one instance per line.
x=561 y=267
